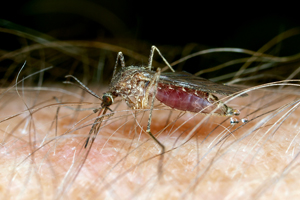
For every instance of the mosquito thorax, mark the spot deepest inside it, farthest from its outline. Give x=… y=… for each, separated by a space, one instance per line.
x=107 y=100
x=130 y=82
x=125 y=74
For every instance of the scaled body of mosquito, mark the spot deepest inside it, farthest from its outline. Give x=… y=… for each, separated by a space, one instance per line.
x=179 y=90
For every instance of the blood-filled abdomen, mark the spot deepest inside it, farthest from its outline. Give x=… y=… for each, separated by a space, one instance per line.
x=189 y=100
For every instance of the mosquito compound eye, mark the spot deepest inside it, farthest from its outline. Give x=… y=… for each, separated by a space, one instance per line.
x=107 y=100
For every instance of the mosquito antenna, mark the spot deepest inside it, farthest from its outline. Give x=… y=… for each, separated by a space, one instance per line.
x=81 y=85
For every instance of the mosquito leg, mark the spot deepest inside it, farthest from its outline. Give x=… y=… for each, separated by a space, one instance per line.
x=154 y=82
x=153 y=48
x=121 y=58
x=160 y=164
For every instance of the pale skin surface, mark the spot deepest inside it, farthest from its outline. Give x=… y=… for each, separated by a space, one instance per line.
x=257 y=161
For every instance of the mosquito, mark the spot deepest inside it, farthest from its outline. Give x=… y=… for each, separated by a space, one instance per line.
x=136 y=85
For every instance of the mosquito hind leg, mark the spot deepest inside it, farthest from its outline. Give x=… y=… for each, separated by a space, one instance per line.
x=153 y=48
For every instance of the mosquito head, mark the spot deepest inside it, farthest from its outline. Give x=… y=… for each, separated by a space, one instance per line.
x=107 y=99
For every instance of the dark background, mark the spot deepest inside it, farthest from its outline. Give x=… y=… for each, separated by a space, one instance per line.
x=139 y=24
x=158 y=22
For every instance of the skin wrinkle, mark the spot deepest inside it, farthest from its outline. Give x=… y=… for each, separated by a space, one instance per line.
x=246 y=161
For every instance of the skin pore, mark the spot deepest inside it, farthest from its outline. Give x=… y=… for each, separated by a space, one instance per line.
x=43 y=154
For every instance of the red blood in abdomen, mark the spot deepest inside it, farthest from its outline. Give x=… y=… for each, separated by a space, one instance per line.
x=184 y=99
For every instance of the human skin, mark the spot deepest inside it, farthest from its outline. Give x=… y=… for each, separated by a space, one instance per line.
x=43 y=154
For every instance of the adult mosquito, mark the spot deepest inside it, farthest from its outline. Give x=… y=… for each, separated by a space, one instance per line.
x=179 y=90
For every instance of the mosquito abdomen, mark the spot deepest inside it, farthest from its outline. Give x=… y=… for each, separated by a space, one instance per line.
x=190 y=100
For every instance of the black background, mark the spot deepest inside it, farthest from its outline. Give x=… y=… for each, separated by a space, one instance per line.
x=213 y=24
x=139 y=24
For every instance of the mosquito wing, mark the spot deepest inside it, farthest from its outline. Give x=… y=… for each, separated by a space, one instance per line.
x=187 y=80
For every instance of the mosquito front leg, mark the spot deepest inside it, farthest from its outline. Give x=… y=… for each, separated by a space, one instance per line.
x=121 y=58
x=153 y=48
